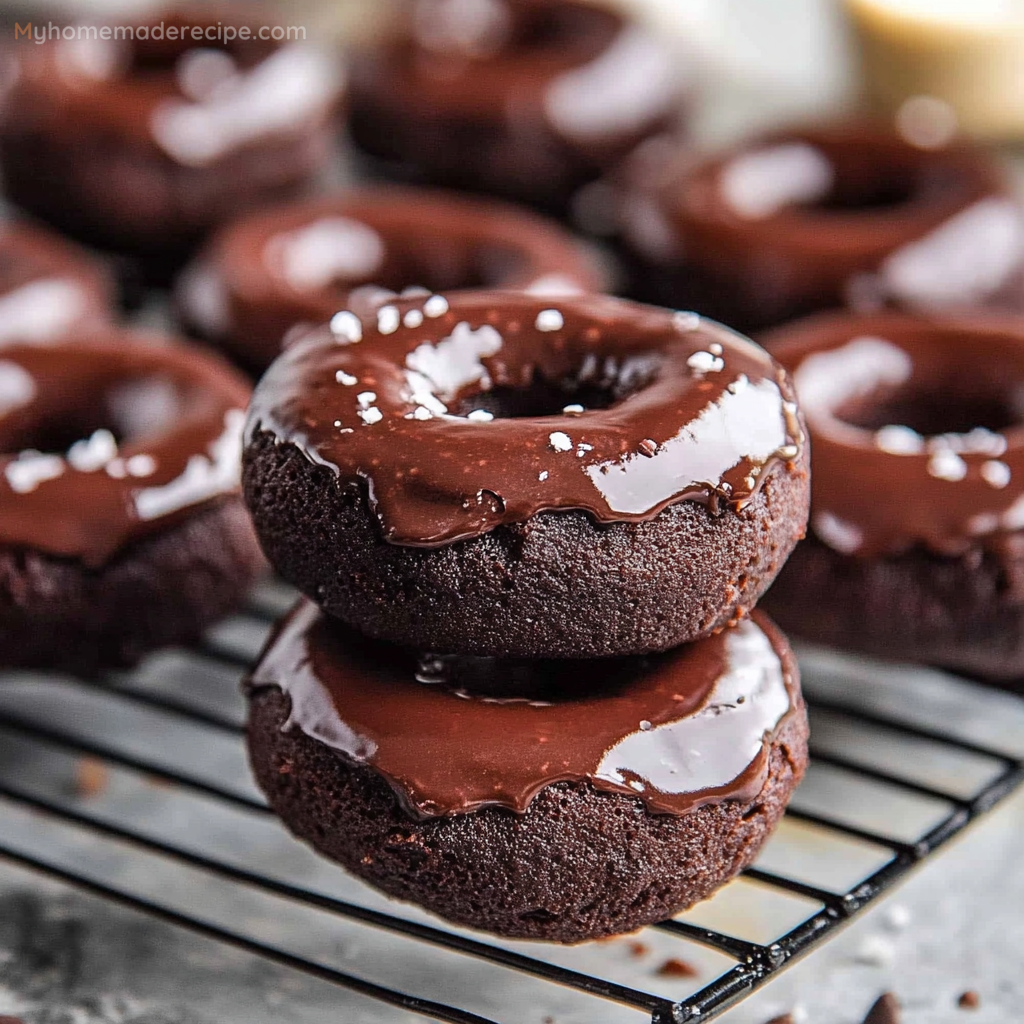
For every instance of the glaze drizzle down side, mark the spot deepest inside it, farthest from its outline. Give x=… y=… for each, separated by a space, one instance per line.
x=650 y=408
x=677 y=731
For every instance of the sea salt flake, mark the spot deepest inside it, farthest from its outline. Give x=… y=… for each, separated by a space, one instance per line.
x=141 y=465
x=435 y=306
x=947 y=465
x=347 y=326
x=685 y=321
x=388 y=319
x=94 y=452
x=30 y=469
x=560 y=441
x=705 y=362
x=995 y=474
x=549 y=320
x=899 y=440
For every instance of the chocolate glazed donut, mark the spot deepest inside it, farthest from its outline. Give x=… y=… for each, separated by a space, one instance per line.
x=583 y=808
x=916 y=549
x=492 y=474
x=143 y=145
x=529 y=100
x=49 y=288
x=849 y=214
x=302 y=263
x=121 y=528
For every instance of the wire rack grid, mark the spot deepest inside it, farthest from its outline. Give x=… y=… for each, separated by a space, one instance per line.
x=888 y=788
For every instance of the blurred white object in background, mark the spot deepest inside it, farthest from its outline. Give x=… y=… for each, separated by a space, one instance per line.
x=966 y=53
x=764 y=64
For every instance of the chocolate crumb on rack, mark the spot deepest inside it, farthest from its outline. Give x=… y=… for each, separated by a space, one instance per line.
x=969 y=1000
x=886 y=1010
x=676 y=968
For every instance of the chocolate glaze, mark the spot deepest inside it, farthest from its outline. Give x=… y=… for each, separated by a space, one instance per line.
x=677 y=731
x=879 y=487
x=697 y=412
x=48 y=287
x=844 y=214
x=110 y=439
x=300 y=263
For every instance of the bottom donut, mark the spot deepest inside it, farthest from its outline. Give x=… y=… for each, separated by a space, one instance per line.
x=603 y=797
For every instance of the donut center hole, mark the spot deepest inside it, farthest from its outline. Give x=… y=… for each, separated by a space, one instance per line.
x=854 y=194
x=867 y=179
x=57 y=435
x=569 y=396
x=551 y=26
x=934 y=411
x=119 y=415
x=548 y=680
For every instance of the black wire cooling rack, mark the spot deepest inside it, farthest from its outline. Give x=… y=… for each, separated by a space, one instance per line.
x=866 y=749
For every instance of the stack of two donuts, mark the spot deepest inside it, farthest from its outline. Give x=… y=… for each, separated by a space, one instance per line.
x=524 y=691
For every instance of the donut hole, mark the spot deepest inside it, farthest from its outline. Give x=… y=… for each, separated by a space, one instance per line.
x=856 y=194
x=126 y=410
x=550 y=27
x=55 y=434
x=934 y=408
x=553 y=681
x=878 y=176
x=544 y=396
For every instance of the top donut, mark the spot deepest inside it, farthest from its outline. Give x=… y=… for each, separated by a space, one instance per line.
x=639 y=475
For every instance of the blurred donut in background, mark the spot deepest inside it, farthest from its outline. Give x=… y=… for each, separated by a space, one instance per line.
x=916 y=544
x=143 y=145
x=304 y=262
x=528 y=99
x=121 y=525
x=49 y=287
x=853 y=213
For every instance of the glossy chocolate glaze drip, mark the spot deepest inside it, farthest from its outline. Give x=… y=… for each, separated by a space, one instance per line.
x=410 y=401
x=677 y=731
x=108 y=440
x=917 y=426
